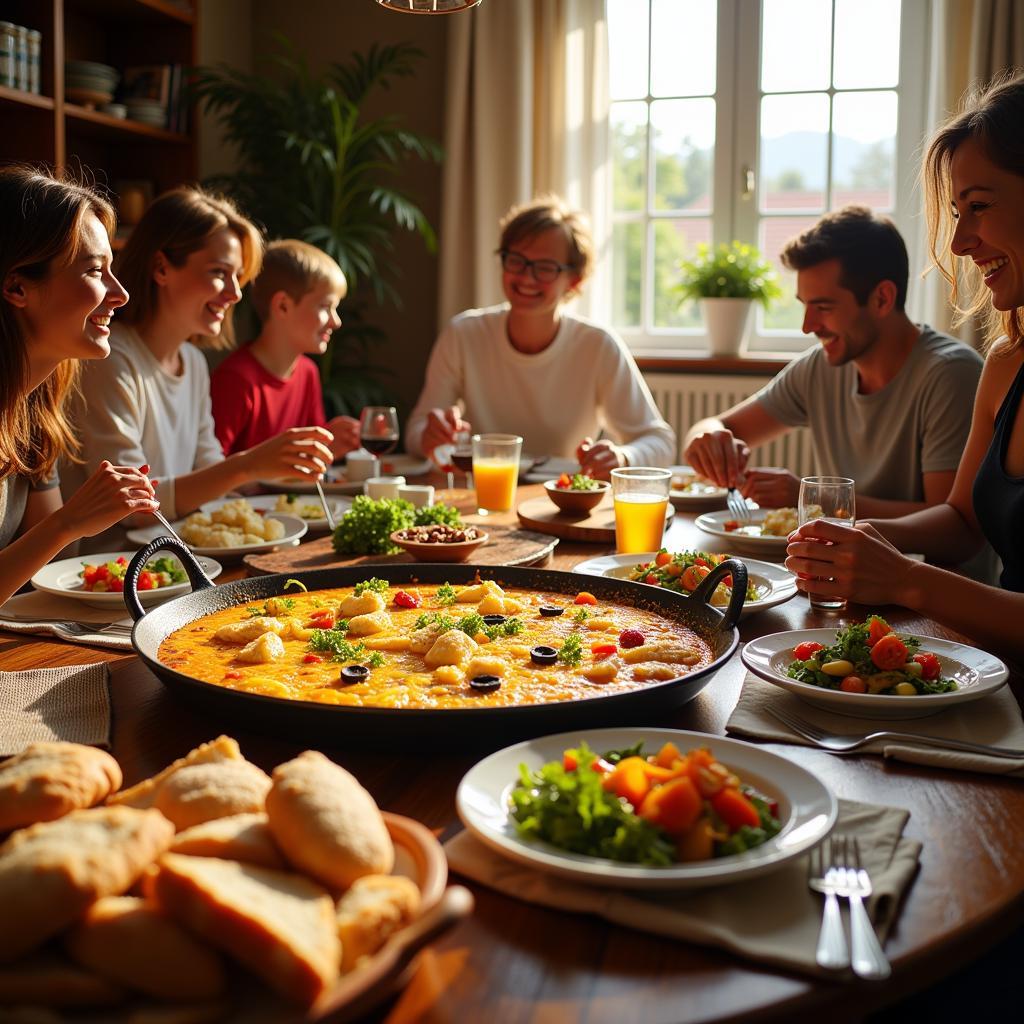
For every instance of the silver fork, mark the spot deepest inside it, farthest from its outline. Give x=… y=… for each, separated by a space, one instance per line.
x=737 y=505
x=868 y=959
x=162 y=519
x=73 y=628
x=823 y=877
x=846 y=744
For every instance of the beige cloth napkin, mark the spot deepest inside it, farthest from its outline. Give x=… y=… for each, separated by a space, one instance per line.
x=70 y=703
x=994 y=720
x=40 y=605
x=773 y=919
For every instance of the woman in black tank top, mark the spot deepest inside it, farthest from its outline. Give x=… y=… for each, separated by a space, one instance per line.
x=974 y=184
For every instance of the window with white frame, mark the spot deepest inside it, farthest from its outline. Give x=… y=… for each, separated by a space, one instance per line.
x=749 y=119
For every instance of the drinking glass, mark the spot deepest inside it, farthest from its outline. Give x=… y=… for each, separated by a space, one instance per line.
x=641 y=501
x=378 y=429
x=496 y=471
x=830 y=498
x=462 y=455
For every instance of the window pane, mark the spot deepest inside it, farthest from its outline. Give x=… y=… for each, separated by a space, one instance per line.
x=684 y=140
x=627 y=261
x=691 y=73
x=629 y=155
x=627 y=65
x=674 y=239
x=794 y=152
x=785 y=314
x=867 y=43
x=796 y=43
x=864 y=153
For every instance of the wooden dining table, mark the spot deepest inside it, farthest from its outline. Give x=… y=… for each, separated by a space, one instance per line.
x=513 y=961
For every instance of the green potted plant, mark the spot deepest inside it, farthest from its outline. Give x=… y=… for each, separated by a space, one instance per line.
x=313 y=166
x=726 y=280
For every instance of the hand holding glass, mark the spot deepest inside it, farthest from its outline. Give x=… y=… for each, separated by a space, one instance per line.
x=641 y=501
x=378 y=429
x=496 y=471
x=830 y=498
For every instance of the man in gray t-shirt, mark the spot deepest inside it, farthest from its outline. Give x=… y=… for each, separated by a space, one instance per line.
x=888 y=402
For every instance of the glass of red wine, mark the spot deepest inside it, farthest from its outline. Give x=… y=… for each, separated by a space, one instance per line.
x=378 y=429
x=462 y=454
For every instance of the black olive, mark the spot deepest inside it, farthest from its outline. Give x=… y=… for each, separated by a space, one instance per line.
x=485 y=684
x=494 y=620
x=354 y=673
x=544 y=655
x=551 y=611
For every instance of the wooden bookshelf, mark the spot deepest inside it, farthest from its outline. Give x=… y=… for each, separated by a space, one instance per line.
x=49 y=129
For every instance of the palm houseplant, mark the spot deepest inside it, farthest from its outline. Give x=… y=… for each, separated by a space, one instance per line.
x=726 y=280
x=312 y=165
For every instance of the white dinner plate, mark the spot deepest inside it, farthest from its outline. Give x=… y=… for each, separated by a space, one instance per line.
x=774 y=584
x=698 y=494
x=977 y=674
x=317 y=523
x=748 y=537
x=294 y=529
x=807 y=809
x=62 y=578
x=336 y=483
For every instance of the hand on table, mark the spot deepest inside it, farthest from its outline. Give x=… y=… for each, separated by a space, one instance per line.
x=346 y=435
x=107 y=497
x=857 y=563
x=300 y=451
x=598 y=459
x=442 y=426
x=771 y=487
x=718 y=456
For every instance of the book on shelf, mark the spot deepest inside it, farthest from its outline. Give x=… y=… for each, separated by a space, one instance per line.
x=147 y=82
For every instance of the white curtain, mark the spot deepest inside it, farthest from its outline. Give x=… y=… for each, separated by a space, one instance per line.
x=526 y=112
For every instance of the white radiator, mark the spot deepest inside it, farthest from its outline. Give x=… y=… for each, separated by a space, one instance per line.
x=684 y=398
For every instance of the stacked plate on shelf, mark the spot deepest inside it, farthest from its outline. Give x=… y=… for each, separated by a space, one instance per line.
x=88 y=82
x=147 y=111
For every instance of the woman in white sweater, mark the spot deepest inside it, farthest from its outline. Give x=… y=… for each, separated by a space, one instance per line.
x=184 y=264
x=528 y=367
x=58 y=297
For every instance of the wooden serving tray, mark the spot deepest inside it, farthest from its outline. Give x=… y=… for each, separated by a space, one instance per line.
x=595 y=527
x=507 y=545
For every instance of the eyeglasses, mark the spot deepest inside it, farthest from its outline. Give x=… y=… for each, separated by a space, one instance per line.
x=544 y=271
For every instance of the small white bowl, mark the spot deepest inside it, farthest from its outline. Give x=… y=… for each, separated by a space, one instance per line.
x=383 y=486
x=420 y=495
x=361 y=465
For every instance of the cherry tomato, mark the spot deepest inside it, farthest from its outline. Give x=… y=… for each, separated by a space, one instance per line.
x=116 y=585
x=652 y=580
x=564 y=481
x=730 y=524
x=147 y=580
x=853 y=684
x=693 y=575
x=702 y=561
x=930 y=666
x=403 y=599
x=876 y=630
x=662 y=558
x=569 y=762
x=806 y=650
x=631 y=638
x=889 y=652
x=312 y=659
x=674 y=569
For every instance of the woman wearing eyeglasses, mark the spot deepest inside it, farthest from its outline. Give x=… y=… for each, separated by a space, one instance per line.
x=529 y=367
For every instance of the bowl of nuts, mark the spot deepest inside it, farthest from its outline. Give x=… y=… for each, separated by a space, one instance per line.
x=439 y=542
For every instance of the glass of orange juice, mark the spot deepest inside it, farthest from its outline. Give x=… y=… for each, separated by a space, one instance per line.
x=496 y=471
x=641 y=501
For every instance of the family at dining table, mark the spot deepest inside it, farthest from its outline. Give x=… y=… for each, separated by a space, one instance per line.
x=106 y=396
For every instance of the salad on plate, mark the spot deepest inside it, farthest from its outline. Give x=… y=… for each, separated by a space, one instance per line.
x=682 y=571
x=108 y=577
x=869 y=657
x=656 y=810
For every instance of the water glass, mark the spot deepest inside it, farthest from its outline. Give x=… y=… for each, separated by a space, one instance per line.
x=830 y=498
x=641 y=502
x=496 y=471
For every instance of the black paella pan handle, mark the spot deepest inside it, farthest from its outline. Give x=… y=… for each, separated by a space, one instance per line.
x=706 y=588
x=196 y=576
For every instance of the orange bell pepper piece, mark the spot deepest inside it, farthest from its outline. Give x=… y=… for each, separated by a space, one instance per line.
x=735 y=809
x=629 y=780
x=696 y=844
x=585 y=597
x=668 y=753
x=674 y=807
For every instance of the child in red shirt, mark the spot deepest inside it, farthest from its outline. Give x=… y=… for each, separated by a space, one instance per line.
x=271 y=384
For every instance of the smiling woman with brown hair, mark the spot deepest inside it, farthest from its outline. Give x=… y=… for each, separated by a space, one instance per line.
x=58 y=297
x=974 y=179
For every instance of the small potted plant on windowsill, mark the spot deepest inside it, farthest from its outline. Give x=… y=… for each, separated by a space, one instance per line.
x=727 y=280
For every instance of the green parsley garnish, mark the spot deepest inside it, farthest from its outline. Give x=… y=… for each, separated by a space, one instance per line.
x=254 y=610
x=375 y=660
x=374 y=584
x=443 y=622
x=581 y=615
x=571 y=652
x=446 y=594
